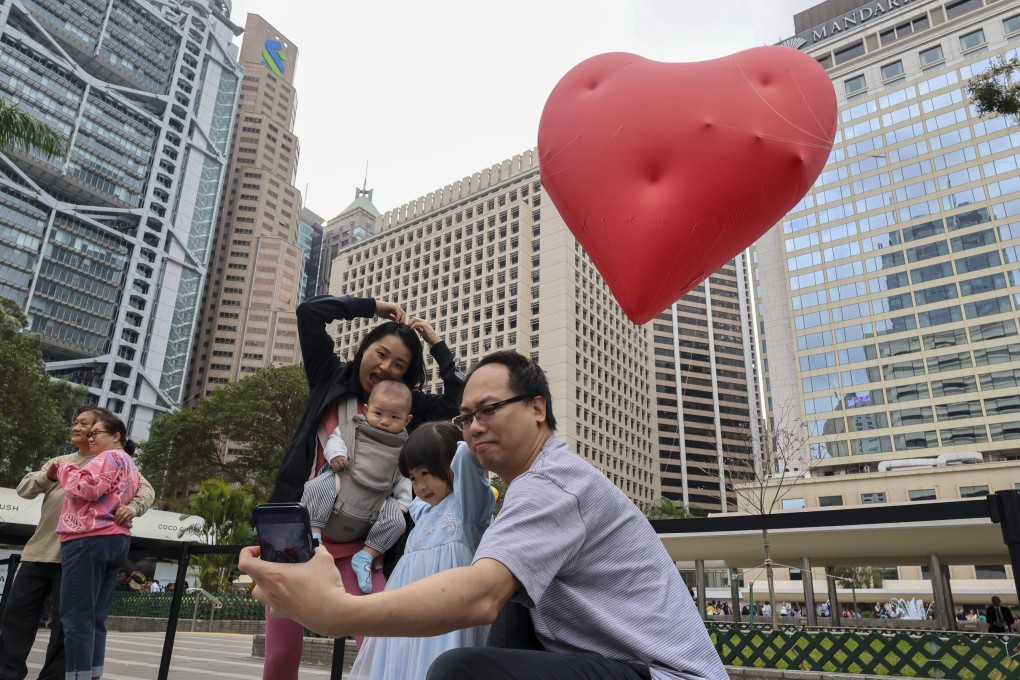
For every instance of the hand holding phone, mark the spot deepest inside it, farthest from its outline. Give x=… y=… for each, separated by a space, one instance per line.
x=285 y=534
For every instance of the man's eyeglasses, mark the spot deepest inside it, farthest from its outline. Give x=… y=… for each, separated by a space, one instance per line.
x=485 y=412
x=92 y=435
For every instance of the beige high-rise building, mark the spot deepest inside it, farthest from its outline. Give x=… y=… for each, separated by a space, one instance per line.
x=257 y=264
x=707 y=407
x=488 y=260
x=891 y=291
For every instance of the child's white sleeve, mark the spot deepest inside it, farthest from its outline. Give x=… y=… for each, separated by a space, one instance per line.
x=335 y=446
x=401 y=493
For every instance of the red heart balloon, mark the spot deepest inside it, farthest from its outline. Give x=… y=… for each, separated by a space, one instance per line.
x=664 y=172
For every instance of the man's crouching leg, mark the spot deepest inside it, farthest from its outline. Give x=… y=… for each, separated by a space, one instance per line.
x=488 y=663
x=457 y=664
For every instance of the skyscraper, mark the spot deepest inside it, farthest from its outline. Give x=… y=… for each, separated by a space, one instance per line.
x=353 y=223
x=891 y=291
x=257 y=266
x=310 y=241
x=106 y=246
x=488 y=260
x=705 y=390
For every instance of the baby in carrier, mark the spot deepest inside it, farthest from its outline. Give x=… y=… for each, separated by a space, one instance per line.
x=353 y=497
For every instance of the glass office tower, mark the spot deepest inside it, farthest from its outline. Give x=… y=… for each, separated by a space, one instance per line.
x=106 y=246
x=890 y=293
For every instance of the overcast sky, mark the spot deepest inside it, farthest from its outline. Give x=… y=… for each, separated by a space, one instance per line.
x=430 y=92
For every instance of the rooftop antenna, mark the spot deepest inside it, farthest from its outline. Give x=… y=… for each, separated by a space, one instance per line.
x=304 y=197
x=364 y=190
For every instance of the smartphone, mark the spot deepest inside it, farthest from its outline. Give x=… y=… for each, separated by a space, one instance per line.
x=285 y=534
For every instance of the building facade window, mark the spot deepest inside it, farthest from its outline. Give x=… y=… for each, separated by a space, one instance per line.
x=978 y=491
x=931 y=56
x=955 y=9
x=903 y=30
x=893 y=70
x=855 y=85
x=989 y=571
x=847 y=53
x=1011 y=25
x=972 y=40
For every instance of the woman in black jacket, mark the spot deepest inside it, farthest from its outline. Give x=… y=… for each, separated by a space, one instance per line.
x=390 y=351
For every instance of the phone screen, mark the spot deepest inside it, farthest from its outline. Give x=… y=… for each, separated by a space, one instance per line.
x=284 y=532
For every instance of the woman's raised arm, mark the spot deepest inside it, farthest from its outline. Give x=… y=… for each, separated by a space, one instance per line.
x=313 y=315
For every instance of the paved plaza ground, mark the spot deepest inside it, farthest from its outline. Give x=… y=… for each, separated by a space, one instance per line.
x=135 y=656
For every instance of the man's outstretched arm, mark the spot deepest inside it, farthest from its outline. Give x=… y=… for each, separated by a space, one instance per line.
x=313 y=595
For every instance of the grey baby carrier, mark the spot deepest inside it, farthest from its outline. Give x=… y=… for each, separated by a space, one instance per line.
x=371 y=473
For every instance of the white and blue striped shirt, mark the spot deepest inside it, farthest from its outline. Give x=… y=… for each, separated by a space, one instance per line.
x=595 y=574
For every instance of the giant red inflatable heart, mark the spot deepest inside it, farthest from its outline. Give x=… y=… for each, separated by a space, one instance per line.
x=664 y=172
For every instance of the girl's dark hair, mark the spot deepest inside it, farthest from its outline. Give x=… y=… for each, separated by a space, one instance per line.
x=414 y=376
x=431 y=446
x=115 y=425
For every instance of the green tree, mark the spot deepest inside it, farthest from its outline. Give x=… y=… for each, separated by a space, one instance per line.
x=225 y=510
x=666 y=508
x=779 y=463
x=69 y=398
x=995 y=92
x=858 y=577
x=19 y=130
x=257 y=416
x=182 y=450
x=34 y=409
x=261 y=413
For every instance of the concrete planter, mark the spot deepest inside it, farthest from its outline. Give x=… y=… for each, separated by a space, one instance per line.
x=140 y=624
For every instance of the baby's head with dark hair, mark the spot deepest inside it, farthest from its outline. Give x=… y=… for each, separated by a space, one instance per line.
x=431 y=446
x=394 y=391
x=389 y=406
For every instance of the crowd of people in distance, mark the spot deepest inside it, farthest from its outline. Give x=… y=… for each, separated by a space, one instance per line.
x=997 y=613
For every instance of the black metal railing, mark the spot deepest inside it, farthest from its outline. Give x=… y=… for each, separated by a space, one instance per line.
x=167 y=606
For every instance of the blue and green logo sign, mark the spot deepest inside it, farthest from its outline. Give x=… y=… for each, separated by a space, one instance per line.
x=273 y=57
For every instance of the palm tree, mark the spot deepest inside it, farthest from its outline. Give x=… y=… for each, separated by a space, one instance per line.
x=667 y=508
x=225 y=510
x=19 y=130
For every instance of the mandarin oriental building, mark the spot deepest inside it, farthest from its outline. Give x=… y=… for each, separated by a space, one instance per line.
x=890 y=293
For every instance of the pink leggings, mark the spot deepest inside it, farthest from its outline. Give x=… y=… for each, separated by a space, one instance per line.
x=284 y=637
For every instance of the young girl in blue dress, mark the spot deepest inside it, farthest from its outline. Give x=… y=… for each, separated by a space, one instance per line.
x=452 y=509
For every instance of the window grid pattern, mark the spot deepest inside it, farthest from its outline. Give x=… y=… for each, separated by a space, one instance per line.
x=904 y=269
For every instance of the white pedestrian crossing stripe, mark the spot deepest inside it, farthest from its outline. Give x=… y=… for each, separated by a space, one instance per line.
x=136 y=656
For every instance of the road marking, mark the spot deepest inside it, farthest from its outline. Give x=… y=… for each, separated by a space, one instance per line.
x=195 y=655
